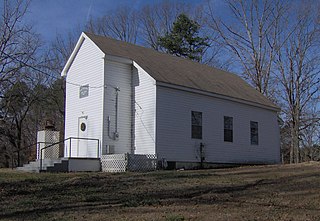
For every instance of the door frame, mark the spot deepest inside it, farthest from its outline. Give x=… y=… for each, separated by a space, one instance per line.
x=78 y=143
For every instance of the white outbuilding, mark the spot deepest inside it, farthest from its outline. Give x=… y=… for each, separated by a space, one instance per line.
x=122 y=98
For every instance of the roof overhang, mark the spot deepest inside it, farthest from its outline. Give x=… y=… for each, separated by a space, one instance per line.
x=123 y=60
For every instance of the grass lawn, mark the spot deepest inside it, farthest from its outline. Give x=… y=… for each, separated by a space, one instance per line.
x=290 y=192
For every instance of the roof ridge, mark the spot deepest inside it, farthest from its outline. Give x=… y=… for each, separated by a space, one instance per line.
x=159 y=52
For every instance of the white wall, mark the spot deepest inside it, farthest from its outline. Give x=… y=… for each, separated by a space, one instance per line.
x=174 y=140
x=145 y=110
x=87 y=68
x=117 y=74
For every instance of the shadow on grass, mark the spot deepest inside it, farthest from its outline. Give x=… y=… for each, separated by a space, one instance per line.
x=99 y=193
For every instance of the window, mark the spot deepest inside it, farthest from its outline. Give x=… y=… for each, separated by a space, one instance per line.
x=228 y=129
x=83 y=127
x=196 y=122
x=254 y=133
x=84 y=91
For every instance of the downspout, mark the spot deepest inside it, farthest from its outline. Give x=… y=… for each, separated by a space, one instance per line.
x=116 y=134
x=132 y=110
x=109 y=121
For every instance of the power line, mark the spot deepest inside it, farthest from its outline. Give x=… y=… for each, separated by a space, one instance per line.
x=52 y=76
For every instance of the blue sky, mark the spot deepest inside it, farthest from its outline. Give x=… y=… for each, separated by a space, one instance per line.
x=50 y=17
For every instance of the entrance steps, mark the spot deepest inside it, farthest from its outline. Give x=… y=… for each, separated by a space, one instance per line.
x=63 y=165
x=48 y=165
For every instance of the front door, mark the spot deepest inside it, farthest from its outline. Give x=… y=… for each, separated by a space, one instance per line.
x=82 y=150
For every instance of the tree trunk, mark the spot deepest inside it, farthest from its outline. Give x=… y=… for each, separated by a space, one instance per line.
x=292 y=145
x=296 y=147
x=295 y=139
x=18 y=158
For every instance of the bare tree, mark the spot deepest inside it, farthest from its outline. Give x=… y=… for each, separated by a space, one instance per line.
x=18 y=43
x=120 y=24
x=251 y=34
x=157 y=20
x=310 y=141
x=24 y=78
x=277 y=44
x=59 y=52
x=297 y=68
x=18 y=50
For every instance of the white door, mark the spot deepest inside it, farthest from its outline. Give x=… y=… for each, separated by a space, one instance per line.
x=82 y=150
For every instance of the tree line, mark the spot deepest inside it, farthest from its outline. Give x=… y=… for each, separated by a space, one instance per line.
x=272 y=44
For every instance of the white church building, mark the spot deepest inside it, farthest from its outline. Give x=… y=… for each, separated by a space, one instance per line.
x=122 y=98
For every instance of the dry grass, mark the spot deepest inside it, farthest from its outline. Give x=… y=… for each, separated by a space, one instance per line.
x=290 y=192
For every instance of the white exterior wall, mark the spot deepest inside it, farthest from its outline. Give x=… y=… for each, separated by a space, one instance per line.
x=87 y=68
x=117 y=75
x=174 y=142
x=145 y=110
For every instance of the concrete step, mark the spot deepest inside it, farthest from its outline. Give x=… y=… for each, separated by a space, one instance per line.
x=54 y=165
x=59 y=167
x=63 y=165
x=28 y=169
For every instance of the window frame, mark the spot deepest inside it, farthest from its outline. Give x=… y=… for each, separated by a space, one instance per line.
x=84 y=91
x=254 y=133
x=196 y=125
x=227 y=129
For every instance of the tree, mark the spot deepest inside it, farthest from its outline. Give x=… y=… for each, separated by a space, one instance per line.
x=59 y=52
x=146 y=25
x=184 y=39
x=17 y=104
x=28 y=104
x=250 y=34
x=121 y=24
x=310 y=139
x=276 y=44
x=18 y=43
x=297 y=68
x=157 y=20
x=19 y=46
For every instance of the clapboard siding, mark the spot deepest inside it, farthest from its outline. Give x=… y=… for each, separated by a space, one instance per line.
x=145 y=109
x=155 y=116
x=174 y=140
x=87 y=68
x=118 y=75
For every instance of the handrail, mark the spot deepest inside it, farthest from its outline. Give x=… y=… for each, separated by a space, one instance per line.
x=46 y=147
x=24 y=148
x=84 y=138
x=70 y=147
x=20 y=150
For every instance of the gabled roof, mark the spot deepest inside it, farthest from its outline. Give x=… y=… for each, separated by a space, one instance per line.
x=183 y=72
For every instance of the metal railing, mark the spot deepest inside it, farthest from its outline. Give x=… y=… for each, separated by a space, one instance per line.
x=31 y=155
x=52 y=151
x=71 y=148
x=49 y=152
x=44 y=145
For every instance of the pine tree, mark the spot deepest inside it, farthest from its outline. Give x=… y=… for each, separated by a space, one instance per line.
x=184 y=39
